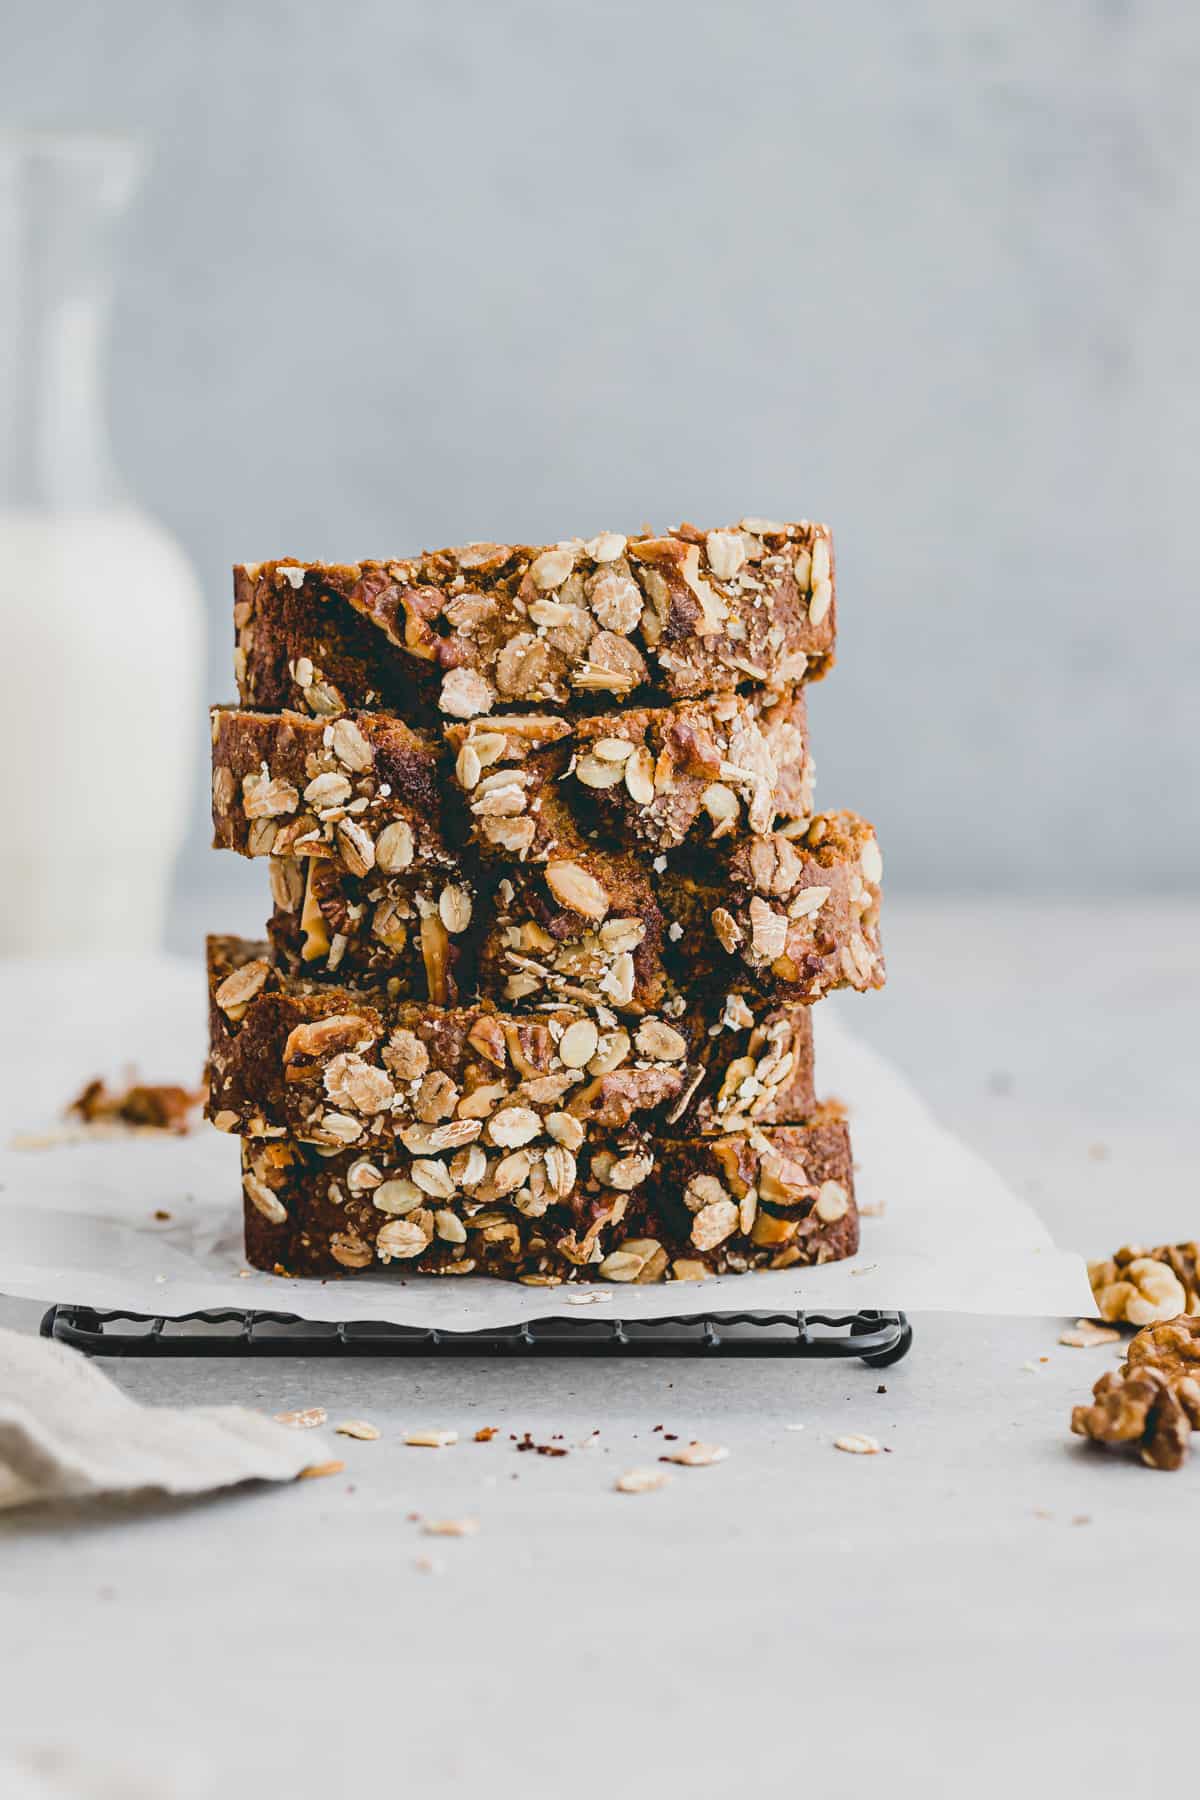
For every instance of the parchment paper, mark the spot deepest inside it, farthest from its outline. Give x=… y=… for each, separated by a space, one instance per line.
x=941 y=1231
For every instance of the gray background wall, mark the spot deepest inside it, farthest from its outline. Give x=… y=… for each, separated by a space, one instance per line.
x=410 y=274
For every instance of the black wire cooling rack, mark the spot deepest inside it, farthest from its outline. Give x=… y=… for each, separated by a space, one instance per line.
x=876 y=1338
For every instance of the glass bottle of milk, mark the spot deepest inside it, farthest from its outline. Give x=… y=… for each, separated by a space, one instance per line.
x=101 y=613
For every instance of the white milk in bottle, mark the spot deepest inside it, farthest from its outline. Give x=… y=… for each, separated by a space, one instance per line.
x=102 y=618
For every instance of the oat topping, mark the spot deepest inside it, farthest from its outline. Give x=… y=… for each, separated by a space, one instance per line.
x=358 y=1428
x=576 y=889
x=696 y=1455
x=263 y=1200
x=641 y=1481
x=1086 y=1335
x=237 y=990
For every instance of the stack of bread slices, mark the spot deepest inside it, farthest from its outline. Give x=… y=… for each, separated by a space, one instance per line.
x=551 y=908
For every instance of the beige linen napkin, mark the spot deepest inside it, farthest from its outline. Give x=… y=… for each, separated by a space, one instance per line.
x=66 y=1431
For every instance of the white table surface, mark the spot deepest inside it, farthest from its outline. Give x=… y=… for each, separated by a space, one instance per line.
x=991 y=1604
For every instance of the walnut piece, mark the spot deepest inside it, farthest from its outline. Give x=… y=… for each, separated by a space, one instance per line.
x=1140 y=1287
x=147 y=1106
x=1153 y=1400
x=1173 y=1348
x=316 y=1038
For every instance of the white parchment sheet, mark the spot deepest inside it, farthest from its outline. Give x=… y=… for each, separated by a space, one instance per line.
x=941 y=1231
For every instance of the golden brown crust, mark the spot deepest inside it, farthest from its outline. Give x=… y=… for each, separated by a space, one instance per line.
x=588 y=624
x=776 y=1198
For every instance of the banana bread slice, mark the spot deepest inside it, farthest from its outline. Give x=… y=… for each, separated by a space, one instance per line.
x=366 y=791
x=341 y=1065
x=784 y=918
x=594 y=622
x=625 y=1211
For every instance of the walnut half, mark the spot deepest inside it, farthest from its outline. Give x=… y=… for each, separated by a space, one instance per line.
x=1139 y=1287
